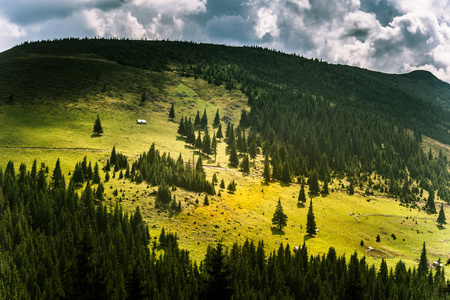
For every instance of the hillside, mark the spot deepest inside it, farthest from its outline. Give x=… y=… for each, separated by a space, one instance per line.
x=344 y=125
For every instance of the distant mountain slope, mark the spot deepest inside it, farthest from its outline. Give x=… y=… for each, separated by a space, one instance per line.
x=417 y=100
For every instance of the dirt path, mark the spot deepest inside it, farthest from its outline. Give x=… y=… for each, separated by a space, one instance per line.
x=53 y=149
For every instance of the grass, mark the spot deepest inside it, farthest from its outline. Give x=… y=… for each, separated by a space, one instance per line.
x=55 y=120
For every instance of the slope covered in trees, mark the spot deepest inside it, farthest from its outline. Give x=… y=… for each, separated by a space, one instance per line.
x=57 y=244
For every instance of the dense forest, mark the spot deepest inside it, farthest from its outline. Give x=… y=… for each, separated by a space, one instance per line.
x=56 y=244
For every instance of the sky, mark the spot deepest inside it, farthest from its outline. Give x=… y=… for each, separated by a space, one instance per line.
x=393 y=36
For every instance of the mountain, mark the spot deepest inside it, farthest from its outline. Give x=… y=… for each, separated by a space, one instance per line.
x=82 y=211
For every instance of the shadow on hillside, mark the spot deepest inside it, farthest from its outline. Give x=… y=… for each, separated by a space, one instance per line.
x=285 y=184
x=276 y=231
x=300 y=205
x=440 y=227
x=307 y=237
x=94 y=135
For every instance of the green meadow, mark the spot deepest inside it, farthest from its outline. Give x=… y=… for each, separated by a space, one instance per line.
x=55 y=120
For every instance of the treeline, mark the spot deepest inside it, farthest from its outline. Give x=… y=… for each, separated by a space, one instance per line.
x=56 y=244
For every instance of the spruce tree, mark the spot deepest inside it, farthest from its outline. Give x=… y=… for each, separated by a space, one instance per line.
x=113 y=158
x=310 y=220
x=98 y=129
x=198 y=142
x=219 y=132
x=143 y=97
x=351 y=189
x=216 y=119
x=172 y=112
x=314 y=183
x=218 y=280
x=301 y=194
x=422 y=269
x=286 y=172
x=266 y=173
x=430 y=206
x=214 y=147
x=245 y=165
x=234 y=160
x=197 y=119
x=325 y=188
x=181 y=128
x=253 y=150
x=279 y=217
x=204 y=120
x=441 y=220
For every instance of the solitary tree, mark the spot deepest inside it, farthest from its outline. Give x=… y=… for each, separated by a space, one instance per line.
x=279 y=217
x=310 y=220
x=172 y=112
x=441 y=218
x=98 y=126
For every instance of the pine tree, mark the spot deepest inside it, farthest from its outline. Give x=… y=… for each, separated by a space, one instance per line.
x=430 y=206
x=57 y=175
x=222 y=184
x=313 y=183
x=219 y=132
x=279 y=217
x=234 y=160
x=310 y=220
x=422 y=269
x=197 y=119
x=351 y=189
x=325 y=188
x=198 y=142
x=441 y=220
x=286 y=172
x=206 y=145
x=181 y=128
x=204 y=120
x=98 y=129
x=206 y=200
x=266 y=173
x=172 y=112
x=214 y=147
x=301 y=194
x=96 y=175
x=218 y=281
x=245 y=165
x=143 y=97
x=216 y=119
x=253 y=150
x=113 y=158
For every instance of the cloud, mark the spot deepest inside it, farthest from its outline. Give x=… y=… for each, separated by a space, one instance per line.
x=384 y=35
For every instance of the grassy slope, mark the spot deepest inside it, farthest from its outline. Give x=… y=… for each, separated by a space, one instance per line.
x=54 y=118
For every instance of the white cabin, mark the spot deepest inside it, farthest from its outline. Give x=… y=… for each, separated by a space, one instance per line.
x=141 y=122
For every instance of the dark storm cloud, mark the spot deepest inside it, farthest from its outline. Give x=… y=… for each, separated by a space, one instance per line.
x=26 y=12
x=228 y=28
x=384 y=11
